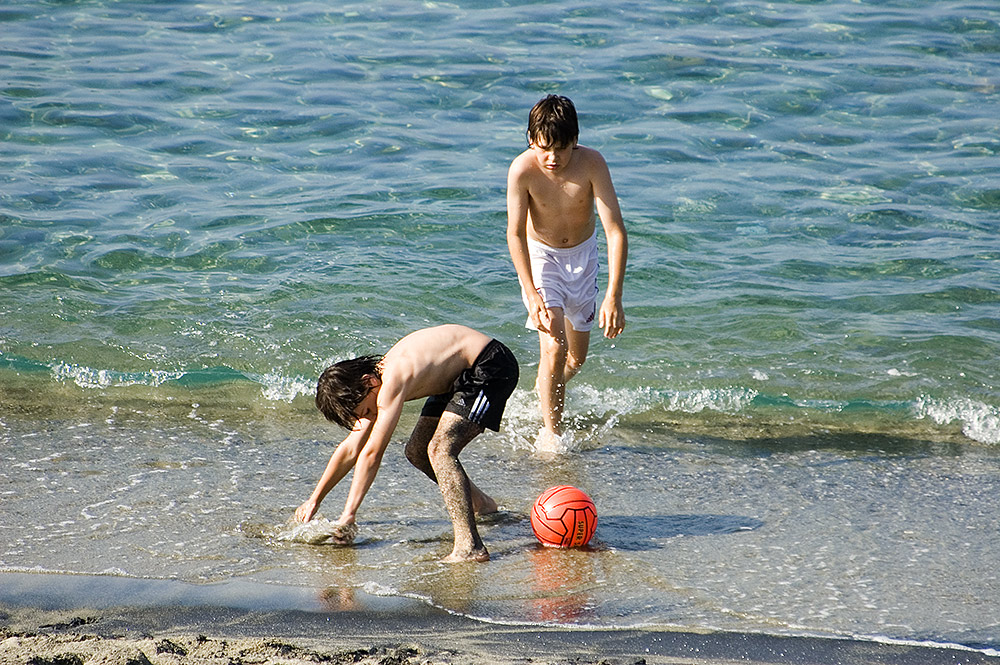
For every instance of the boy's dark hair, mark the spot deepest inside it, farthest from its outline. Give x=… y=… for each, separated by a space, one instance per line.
x=552 y=123
x=341 y=387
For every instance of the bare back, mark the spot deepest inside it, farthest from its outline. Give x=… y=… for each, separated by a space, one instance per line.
x=428 y=361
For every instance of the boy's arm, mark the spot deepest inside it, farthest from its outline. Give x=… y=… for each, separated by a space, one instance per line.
x=612 y=315
x=343 y=458
x=390 y=406
x=517 y=243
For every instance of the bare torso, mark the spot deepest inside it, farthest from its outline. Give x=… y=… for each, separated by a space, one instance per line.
x=560 y=203
x=427 y=362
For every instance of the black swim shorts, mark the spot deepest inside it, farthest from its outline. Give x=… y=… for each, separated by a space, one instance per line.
x=480 y=393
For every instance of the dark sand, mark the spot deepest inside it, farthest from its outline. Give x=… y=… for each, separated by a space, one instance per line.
x=176 y=626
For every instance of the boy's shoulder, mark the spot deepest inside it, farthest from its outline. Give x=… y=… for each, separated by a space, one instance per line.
x=525 y=162
x=522 y=160
x=589 y=155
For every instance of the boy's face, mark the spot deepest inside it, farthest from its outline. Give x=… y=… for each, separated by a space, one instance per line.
x=552 y=158
x=367 y=409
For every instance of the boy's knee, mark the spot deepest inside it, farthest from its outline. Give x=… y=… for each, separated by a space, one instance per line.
x=574 y=363
x=554 y=348
x=438 y=452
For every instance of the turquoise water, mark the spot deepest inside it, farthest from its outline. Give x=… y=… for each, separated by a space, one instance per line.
x=201 y=206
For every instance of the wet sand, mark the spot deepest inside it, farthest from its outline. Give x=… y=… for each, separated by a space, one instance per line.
x=202 y=634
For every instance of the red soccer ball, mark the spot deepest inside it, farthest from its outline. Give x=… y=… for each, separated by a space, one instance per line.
x=564 y=516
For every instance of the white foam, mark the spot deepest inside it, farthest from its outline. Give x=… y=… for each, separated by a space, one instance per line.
x=316 y=531
x=587 y=401
x=980 y=422
x=584 y=402
x=725 y=400
x=383 y=591
x=90 y=377
x=279 y=388
x=547 y=443
x=926 y=644
x=274 y=387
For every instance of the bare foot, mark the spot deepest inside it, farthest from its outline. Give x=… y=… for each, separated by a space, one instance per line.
x=344 y=534
x=550 y=442
x=475 y=555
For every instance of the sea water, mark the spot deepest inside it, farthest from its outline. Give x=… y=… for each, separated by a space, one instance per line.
x=203 y=205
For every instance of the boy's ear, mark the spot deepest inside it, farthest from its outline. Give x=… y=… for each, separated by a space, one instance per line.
x=371 y=380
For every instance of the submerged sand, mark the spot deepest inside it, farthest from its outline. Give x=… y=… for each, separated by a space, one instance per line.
x=224 y=636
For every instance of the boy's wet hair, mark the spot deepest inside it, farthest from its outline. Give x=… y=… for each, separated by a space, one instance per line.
x=552 y=123
x=342 y=387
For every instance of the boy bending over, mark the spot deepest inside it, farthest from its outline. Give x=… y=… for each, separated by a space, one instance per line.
x=553 y=188
x=467 y=378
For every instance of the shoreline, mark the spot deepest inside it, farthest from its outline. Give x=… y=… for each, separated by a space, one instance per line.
x=192 y=624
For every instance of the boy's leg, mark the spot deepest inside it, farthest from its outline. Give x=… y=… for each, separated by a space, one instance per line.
x=450 y=437
x=416 y=447
x=577 y=345
x=562 y=354
x=416 y=453
x=551 y=382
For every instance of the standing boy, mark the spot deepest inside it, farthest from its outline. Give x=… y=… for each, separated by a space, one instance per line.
x=553 y=188
x=467 y=378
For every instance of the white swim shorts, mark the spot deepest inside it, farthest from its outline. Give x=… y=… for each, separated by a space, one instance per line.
x=566 y=278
